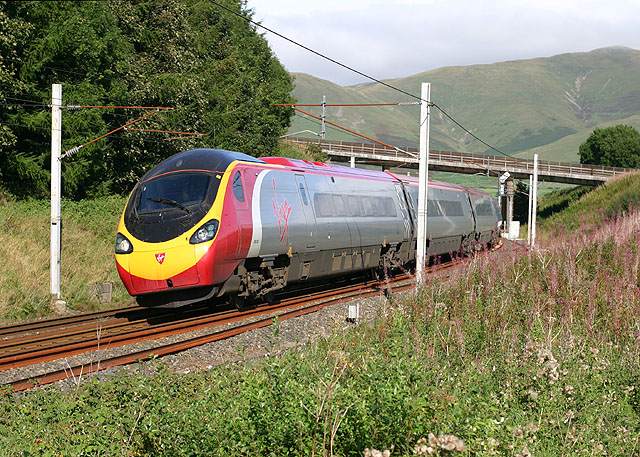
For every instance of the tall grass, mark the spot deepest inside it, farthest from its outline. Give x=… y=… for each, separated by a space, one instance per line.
x=517 y=353
x=88 y=229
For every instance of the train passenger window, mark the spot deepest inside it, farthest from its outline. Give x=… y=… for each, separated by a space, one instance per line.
x=323 y=204
x=433 y=209
x=354 y=206
x=237 y=187
x=378 y=207
x=484 y=209
x=389 y=207
x=452 y=208
x=367 y=206
x=303 y=193
x=338 y=206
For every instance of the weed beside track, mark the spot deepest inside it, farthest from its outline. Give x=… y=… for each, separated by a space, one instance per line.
x=518 y=353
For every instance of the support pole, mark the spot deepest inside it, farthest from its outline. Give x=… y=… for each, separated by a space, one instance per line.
x=353 y=161
x=534 y=201
x=323 y=132
x=56 y=182
x=423 y=187
x=509 y=188
x=529 y=213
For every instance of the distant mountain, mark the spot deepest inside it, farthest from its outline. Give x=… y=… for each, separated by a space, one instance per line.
x=547 y=104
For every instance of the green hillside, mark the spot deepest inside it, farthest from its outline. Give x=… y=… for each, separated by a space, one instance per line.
x=584 y=207
x=566 y=149
x=516 y=106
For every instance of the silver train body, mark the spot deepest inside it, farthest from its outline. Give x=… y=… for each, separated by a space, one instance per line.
x=313 y=220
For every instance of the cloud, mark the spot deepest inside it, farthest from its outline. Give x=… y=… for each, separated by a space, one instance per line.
x=394 y=39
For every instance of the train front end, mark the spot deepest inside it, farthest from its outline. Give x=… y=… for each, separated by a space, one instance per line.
x=167 y=247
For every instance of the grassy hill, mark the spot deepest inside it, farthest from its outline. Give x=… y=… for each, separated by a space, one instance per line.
x=582 y=207
x=566 y=149
x=515 y=106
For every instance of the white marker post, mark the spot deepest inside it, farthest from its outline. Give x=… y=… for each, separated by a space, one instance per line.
x=534 y=200
x=423 y=187
x=529 y=213
x=56 y=184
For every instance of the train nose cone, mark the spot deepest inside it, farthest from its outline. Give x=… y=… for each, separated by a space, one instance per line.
x=160 y=269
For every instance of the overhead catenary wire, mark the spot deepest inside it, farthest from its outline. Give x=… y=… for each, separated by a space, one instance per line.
x=82 y=132
x=114 y=107
x=347 y=104
x=347 y=67
x=314 y=121
x=351 y=131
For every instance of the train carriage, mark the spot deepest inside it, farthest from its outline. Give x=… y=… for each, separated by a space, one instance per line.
x=210 y=222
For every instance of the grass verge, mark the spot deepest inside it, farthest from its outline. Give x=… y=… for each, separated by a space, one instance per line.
x=518 y=353
x=88 y=234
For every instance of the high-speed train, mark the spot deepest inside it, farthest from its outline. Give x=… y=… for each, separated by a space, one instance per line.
x=209 y=223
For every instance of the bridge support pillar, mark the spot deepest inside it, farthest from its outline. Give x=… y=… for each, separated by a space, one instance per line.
x=506 y=201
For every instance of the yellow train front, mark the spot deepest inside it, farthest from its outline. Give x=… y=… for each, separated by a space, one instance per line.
x=165 y=251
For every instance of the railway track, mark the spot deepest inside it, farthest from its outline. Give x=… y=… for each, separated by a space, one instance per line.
x=32 y=343
x=28 y=344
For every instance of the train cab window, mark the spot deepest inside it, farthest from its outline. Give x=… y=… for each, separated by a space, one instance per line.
x=303 y=193
x=176 y=191
x=237 y=187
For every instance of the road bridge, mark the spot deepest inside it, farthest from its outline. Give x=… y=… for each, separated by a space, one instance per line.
x=466 y=163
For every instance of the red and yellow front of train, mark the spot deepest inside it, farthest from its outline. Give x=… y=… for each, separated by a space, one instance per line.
x=178 y=237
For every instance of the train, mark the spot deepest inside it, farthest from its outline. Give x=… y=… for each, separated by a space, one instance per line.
x=209 y=223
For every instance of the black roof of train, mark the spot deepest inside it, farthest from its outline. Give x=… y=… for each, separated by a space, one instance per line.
x=199 y=159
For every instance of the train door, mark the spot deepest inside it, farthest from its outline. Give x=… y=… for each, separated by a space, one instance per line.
x=407 y=218
x=242 y=214
x=310 y=218
x=350 y=238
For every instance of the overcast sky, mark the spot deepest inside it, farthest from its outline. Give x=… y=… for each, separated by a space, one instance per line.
x=397 y=38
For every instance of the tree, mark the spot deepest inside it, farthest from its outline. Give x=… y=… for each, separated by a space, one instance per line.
x=210 y=65
x=13 y=35
x=617 y=146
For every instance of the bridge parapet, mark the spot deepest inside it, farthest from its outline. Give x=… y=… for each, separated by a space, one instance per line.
x=468 y=163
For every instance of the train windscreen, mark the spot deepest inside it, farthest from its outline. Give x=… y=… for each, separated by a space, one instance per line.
x=178 y=190
x=168 y=205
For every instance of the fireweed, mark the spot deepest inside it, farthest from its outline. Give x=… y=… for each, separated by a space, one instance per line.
x=529 y=353
x=565 y=320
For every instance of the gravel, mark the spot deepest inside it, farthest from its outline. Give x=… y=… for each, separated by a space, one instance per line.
x=292 y=334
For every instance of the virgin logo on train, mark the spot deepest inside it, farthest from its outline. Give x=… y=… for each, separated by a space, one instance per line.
x=282 y=212
x=160 y=257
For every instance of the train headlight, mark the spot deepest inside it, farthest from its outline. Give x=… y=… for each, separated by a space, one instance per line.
x=205 y=233
x=123 y=245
